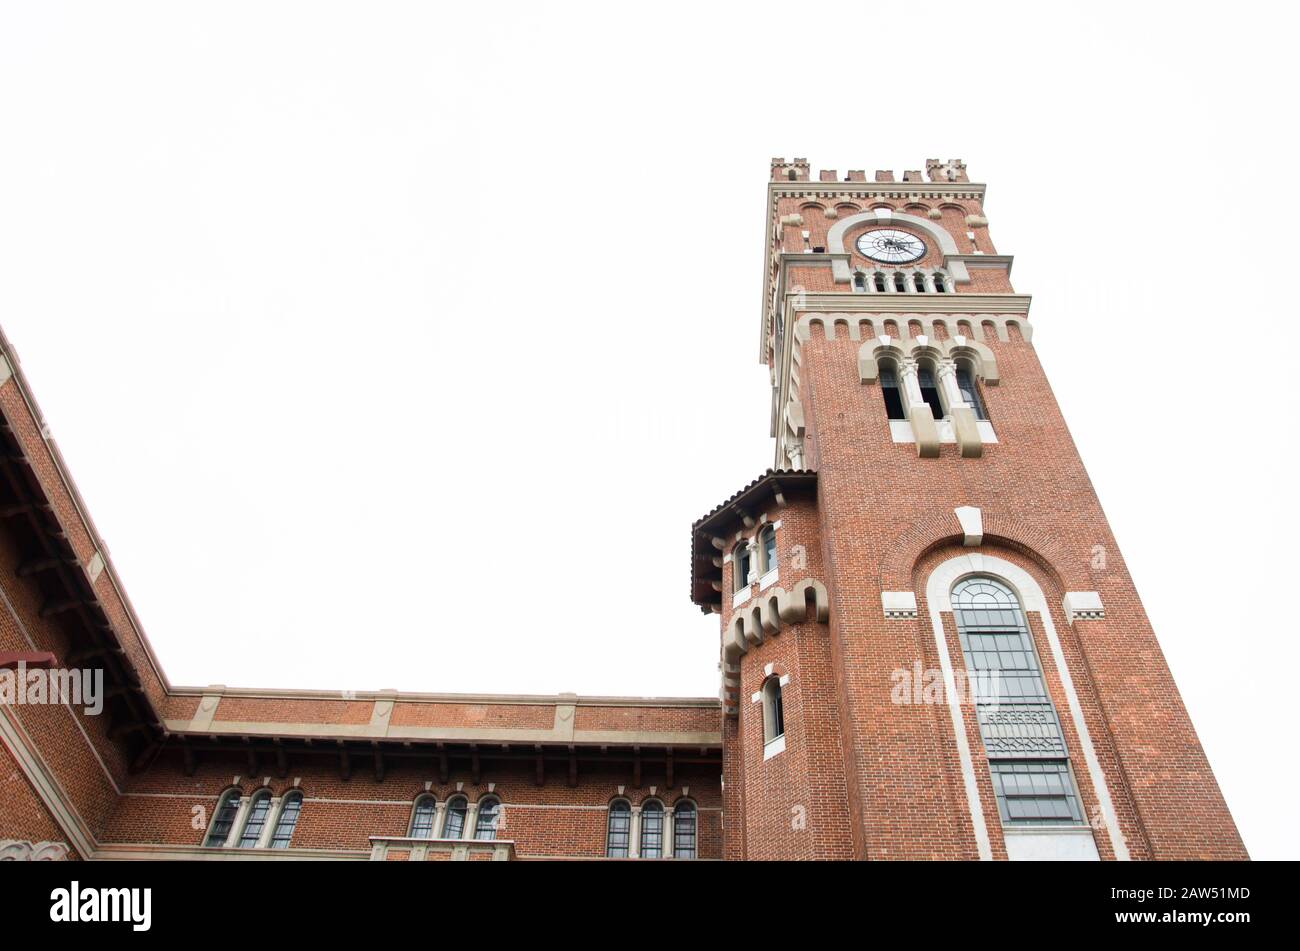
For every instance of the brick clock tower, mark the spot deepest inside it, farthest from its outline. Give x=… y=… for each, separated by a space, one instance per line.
x=931 y=646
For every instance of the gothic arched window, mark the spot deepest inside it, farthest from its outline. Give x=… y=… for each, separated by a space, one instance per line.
x=618 y=832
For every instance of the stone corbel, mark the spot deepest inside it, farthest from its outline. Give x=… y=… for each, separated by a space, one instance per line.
x=964 y=426
x=924 y=429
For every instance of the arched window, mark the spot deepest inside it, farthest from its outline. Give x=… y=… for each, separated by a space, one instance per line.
x=767 y=548
x=900 y=282
x=1028 y=762
x=684 y=816
x=859 y=281
x=422 y=816
x=223 y=820
x=454 y=826
x=929 y=390
x=256 y=821
x=890 y=391
x=939 y=285
x=880 y=282
x=918 y=281
x=619 y=830
x=969 y=393
x=290 y=807
x=773 y=710
x=489 y=813
x=740 y=565
x=652 y=830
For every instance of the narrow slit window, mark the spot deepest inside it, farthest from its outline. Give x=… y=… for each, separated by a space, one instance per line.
x=918 y=281
x=939 y=286
x=900 y=283
x=880 y=282
x=773 y=710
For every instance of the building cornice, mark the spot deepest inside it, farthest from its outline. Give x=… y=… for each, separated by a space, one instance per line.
x=368 y=696
x=971 y=190
x=954 y=304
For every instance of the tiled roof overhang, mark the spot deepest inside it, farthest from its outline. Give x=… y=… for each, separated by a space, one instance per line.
x=775 y=485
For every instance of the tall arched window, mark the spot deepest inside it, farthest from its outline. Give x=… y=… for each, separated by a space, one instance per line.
x=880 y=282
x=859 y=281
x=652 y=830
x=684 y=835
x=1022 y=734
x=929 y=389
x=767 y=548
x=773 y=710
x=900 y=282
x=290 y=807
x=918 y=281
x=619 y=830
x=890 y=391
x=489 y=814
x=939 y=285
x=223 y=820
x=454 y=826
x=256 y=821
x=422 y=816
x=969 y=393
x=740 y=565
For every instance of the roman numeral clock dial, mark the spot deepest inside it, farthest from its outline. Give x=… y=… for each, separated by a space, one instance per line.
x=891 y=246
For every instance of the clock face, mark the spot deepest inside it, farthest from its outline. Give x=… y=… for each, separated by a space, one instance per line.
x=891 y=246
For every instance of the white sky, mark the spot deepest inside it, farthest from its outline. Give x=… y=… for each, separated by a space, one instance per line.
x=374 y=333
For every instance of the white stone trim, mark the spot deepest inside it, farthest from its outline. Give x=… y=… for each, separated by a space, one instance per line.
x=898 y=605
x=972 y=524
x=774 y=747
x=938 y=595
x=1083 y=606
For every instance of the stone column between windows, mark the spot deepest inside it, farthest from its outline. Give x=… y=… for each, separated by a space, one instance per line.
x=439 y=821
x=668 y=833
x=268 y=828
x=634 y=842
x=924 y=429
x=471 y=821
x=964 y=426
x=237 y=826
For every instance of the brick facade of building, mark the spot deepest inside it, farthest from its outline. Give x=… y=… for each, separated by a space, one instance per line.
x=841 y=730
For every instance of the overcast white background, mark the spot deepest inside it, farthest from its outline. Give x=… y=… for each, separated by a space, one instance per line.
x=373 y=333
